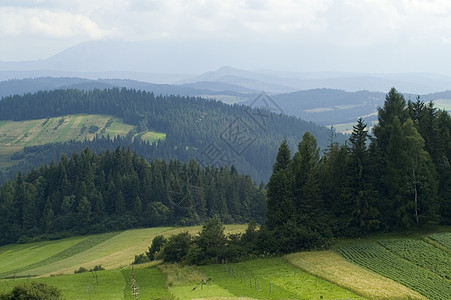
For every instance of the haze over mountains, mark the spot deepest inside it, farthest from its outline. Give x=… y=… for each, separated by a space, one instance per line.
x=181 y=63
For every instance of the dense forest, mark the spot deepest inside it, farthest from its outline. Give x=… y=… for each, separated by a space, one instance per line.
x=118 y=190
x=195 y=127
x=396 y=180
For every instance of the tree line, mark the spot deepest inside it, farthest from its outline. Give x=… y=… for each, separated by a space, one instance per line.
x=192 y=126
x=119 y=189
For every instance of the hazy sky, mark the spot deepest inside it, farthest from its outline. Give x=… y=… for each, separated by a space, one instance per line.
x=303 y=35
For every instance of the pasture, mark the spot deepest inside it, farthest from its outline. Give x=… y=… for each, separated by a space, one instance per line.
x=381 y=268
x=15 y=135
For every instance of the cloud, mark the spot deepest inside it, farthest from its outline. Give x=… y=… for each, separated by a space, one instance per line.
x=38 y=22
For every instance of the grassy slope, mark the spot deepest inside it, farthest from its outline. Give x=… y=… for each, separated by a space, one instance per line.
x=273 y=278
x=14 y=136
x=116 y=251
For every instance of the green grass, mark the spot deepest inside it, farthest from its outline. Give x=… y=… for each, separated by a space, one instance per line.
x=65 y=130
x=109 y=284
x=14 y=136
x=374 y=268
x=273 y=278
x=19 y=256
x=375 y=257
x=81 y=246
x=151 y=136
x=151 y=283
x=114 y=252
x=181 y=280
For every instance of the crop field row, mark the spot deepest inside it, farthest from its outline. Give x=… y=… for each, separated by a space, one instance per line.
x=332 y=267
x=422 y=254
x=375 y=257
x=443 y=238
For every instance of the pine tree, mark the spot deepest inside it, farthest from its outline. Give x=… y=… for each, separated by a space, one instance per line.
x=280 y=207
x=364 y=195
x=305 y=186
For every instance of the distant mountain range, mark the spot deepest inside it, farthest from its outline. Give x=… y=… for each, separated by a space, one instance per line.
x=168 y=62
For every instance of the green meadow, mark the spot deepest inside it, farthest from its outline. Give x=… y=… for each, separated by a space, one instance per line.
x=379 y=268
x=15 y=135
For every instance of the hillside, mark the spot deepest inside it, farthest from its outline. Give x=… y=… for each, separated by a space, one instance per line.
x=238 y=135
x=342 y=109
x=15 y=135
x=323 y=106
x=299 y=275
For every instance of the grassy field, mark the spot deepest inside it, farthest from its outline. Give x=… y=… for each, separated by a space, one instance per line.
x=273 y=278
x=14 y=136
x=379 y=267
x=111 y=250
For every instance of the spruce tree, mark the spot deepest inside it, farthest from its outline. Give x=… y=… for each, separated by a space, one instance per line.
x=280 y=207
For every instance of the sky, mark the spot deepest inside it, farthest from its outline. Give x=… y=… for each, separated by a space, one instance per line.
x=369 y=36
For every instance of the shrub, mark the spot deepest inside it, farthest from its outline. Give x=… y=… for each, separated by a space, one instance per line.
x=157 y=244
x=81 y=270
x=140 y=259
x=177 y=247
x=33 y=291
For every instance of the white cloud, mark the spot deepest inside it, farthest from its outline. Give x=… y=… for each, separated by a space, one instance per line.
x=48 y=23
x=341 y=29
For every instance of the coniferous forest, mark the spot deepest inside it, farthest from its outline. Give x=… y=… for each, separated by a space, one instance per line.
x=395 y=179
x=119 y=190
x=193 y=126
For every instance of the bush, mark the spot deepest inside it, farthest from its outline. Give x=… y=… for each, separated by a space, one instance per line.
x=157 y=244
x=97 y=268
x=33 y=291
x=177 y=247
x=140 y=259
x=81 y=270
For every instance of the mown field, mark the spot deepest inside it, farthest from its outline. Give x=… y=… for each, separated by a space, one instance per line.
x=385 y=268
x=14 y=136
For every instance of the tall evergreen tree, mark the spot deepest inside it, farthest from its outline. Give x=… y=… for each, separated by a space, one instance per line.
x=279 y=206
x=363 y=194
x=305 y=186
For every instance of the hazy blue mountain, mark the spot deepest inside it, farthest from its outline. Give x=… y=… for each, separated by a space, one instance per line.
x=169 y=62
x=331 y=107
x=30 y=85
x=276 y=82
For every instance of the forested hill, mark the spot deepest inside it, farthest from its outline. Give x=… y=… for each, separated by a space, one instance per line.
x=119 y=189
x=212 y=132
